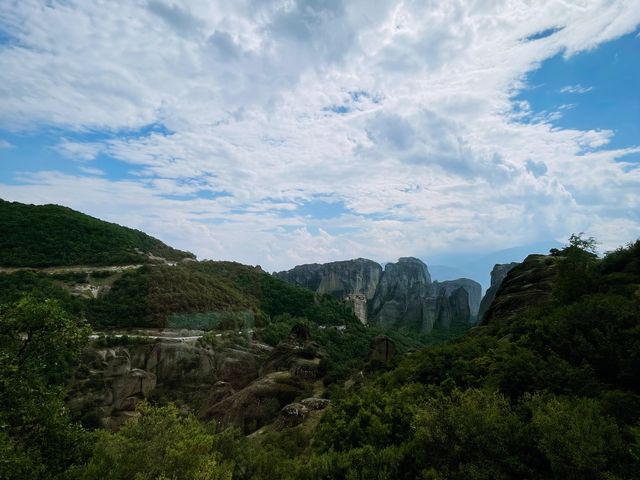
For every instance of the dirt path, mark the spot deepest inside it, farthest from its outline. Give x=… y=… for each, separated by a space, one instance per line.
x=73 y=269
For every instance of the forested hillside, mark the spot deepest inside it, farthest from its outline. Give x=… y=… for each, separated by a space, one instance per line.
x=51 y=235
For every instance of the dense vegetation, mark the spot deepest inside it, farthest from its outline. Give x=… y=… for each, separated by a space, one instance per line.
x=553 y=393
x=51 y=235
x=208 y=295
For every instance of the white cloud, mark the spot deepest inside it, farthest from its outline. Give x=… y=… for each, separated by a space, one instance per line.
x=4 y=144
x=84 y=151
x=575 y=89
x=402 y=111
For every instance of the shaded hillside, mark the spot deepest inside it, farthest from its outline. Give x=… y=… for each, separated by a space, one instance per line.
x=206 y=295
x=52 y=235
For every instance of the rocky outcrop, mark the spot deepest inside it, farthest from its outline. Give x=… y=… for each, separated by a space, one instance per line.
x=113 y=380
x=401 y=296
x=337 y=278
x=358 y=302
x=401 y=299
x=257 y=404
x=295 y=413
x=108 y=388
x=526 y=285
x=453 y=308
x=473 y=289
x=498 y=274
x=291 y=369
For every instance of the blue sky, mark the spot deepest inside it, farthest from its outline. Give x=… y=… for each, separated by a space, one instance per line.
x=279 y=133
x=595 y=89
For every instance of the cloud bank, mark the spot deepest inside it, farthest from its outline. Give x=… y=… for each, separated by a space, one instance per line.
x=295 y=131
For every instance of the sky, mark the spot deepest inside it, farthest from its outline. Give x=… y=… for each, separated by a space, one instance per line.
x=288 y=132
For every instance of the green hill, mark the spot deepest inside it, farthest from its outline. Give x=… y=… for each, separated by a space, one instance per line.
x=207 y=295
x=52 y=235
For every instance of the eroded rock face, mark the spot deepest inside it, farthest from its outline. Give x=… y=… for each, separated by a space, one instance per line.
x=358 y=302
x=110 y=387
x=313 y=403
x=290 y=371
x=337 y=278
x=257 y=404
x=528 y=284
x=293 y=414
x=453 y=308
x=400 y=296
x=115 y=379
x=473 y=289
x=498 y=274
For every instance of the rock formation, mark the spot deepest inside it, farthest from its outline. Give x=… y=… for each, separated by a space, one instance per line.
x=528 y=284
x=337 y=278
x=403 y=297
x=473 y=289
x=358 y=302
x=400 y=296
x=453 y=308
x=113 y=380
x=498 y=274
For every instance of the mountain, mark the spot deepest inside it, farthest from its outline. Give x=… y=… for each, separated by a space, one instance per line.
x=400 y=296
x=52 y=235
x=498 y=274
x=337 y=278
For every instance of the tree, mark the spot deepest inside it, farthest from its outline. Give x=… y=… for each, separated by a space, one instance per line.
x=159 y=444
x=575 y=438
x=40 y=344
x=576 y=269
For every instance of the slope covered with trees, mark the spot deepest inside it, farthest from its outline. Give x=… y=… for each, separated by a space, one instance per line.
x=52 y=235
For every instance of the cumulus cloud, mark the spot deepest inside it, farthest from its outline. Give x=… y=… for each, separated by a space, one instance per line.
x=401 y=111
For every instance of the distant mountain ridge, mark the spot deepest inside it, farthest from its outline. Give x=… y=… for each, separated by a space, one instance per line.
x=53 y=235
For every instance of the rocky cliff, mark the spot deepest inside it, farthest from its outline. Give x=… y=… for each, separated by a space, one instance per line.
x=244 y=385
x=401 y=295
x=526 y=285
x=498 y=274
x=337 y=278
x=473 y=289
x=404 y=296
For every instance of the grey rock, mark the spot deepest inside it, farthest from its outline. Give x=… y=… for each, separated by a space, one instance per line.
x=337 y=278
x=498 y=274
x=401 y=297
x=528 y=284
x=313 y=403
x=473 y=289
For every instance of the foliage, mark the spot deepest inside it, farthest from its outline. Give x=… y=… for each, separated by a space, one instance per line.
x=49 y=235
x=161 y=443
x=206 y=295
x=576 y=272
x=13 y=286
x=40 y=346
